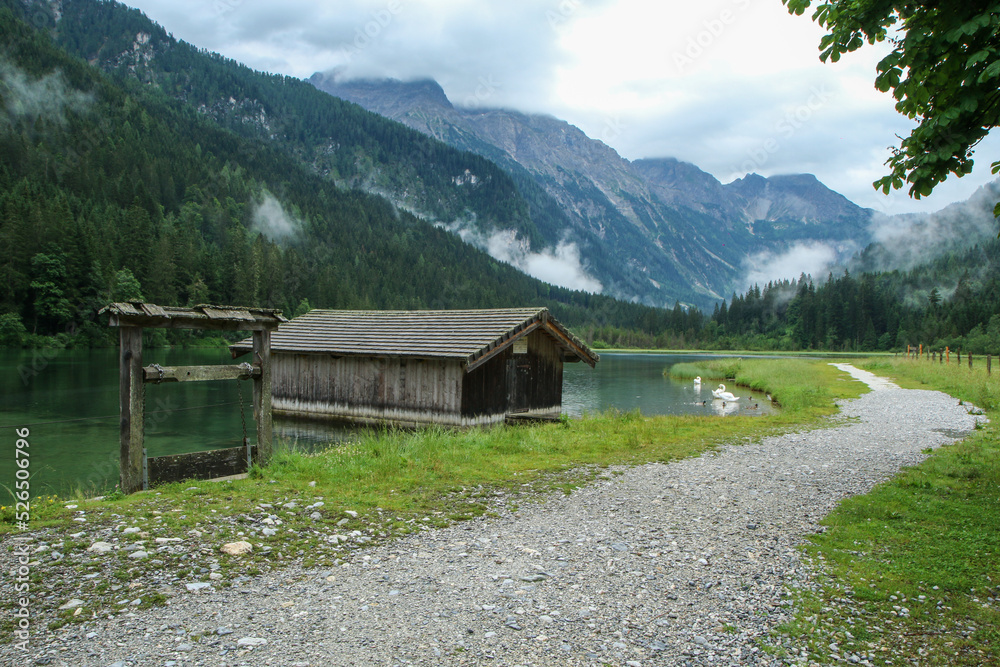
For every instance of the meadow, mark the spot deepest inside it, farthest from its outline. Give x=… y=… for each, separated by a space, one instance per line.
x=925 y=542
x=911 y=570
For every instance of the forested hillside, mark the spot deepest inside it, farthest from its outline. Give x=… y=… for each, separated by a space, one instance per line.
x=953 y=301
x=113 y=189
x=355 y=148
x=130 y=182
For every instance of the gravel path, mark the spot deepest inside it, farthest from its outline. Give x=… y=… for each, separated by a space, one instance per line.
x=676 y=564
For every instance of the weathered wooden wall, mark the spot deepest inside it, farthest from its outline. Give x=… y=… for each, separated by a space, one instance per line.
x=539 y=382
x=411 y=391
x=199 y=465
x=514 y=382
x=484 y=389
x=397 y=390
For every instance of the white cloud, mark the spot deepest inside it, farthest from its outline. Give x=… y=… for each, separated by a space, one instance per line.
x=910 y=240
x=813 y=258
x=24 y=96
x=558 y=266
x=271 y=220
x=707 y=82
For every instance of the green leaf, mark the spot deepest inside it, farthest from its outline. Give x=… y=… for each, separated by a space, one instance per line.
x=976 y=57
x=990 y=72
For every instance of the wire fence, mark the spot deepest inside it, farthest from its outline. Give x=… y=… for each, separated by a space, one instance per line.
x=945 y=356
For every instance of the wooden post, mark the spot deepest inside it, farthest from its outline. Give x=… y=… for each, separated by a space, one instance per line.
x=959 y=357
x=970 y=361
x=132 y=402
x=920 y=351
x=989 y=364
x=262 y=395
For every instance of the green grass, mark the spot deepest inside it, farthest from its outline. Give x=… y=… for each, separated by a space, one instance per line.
x=808 y=354
x=389 y=484
x=425 y=470
x=927 y=541
x=802 y=386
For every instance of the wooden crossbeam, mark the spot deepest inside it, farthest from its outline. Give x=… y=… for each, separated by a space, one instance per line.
x=155 y=373
x=198 y=465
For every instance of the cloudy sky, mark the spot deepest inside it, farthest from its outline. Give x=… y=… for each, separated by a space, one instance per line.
x=733 y=86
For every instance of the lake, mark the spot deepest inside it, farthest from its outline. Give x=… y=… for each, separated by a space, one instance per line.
x=69 y=401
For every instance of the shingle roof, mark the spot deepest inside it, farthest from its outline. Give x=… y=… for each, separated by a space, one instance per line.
x=470 y=335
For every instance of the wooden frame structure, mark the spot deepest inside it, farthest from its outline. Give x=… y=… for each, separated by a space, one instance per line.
x=132 y=318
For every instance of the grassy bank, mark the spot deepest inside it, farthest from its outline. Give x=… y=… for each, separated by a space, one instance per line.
x=315 y=508
x=912 y=569
x=808 y=354
x=801 y=385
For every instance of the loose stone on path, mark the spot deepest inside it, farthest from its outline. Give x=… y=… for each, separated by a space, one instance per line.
x=686 y=563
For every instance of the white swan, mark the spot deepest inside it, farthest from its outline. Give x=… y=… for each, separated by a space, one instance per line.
x=697 y=382
x=721 y=393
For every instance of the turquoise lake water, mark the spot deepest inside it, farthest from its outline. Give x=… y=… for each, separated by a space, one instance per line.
x=69 y=402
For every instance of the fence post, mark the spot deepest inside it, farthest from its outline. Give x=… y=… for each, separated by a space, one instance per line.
x=989 y=363
x=132 y=392
x=959 y=357
x=970 y=361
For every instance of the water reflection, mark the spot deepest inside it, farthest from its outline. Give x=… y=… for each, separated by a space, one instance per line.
x=71 y=407
x=628 y=381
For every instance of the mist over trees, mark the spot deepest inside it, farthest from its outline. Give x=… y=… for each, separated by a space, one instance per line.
x=110 y=189
x=953 y=301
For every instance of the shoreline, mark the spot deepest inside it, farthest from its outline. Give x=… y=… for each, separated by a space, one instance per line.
x=550 y=543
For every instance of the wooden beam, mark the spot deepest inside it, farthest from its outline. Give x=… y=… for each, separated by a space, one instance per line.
x=154 y=373
x=568 y=343
x=262 y=396
x=197 y=465
x=131 y=402
x=218 y=318
x=189 y=322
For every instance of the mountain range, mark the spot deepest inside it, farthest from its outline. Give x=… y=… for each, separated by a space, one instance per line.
x=136 y=166
x=670 y=230
x=208 y=180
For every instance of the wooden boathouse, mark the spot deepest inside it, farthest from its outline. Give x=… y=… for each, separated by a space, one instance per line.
x=452 y=367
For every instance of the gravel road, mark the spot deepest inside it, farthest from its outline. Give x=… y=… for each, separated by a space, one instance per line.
x=679 y=564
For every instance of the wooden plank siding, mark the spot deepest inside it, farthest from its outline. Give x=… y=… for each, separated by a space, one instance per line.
x=526 y=383
x=368 y=389
x=516 y=383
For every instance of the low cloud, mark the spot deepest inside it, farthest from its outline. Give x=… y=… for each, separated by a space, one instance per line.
x=813 y=258
x=905 y=241
x=559 y=266
x=24 y=96
x=271 y=220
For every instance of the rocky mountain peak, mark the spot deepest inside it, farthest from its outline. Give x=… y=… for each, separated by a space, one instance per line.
x=423 y=93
